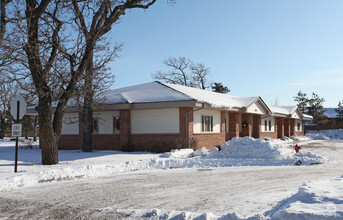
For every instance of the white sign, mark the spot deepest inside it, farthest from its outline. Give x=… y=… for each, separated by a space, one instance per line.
x=14 y=107
x=16 y=130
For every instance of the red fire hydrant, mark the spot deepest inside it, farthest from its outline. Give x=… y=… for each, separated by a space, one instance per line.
x=297 y=148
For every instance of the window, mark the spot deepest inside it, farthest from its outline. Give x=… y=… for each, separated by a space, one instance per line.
x=206 y=123
x=95 y=126
x=116 y=125
x=298 y=125
x=270 y=125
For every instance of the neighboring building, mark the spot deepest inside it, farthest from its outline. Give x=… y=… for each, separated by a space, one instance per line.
x=159 y=117
x=332 y=122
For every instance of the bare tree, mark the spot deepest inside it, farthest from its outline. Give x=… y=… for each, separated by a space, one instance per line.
x=184 y=72
x=199 y=75
x=8 y=91
x=178 y=72
x=3 y=18
x=54 y=58
x=96 y=80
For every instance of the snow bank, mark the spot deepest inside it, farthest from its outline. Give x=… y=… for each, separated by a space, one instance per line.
x=153 y=214
x=302 y=138
x=178 y=154
x=259 y=149
x=326 y=134
x=185 y=153
x=314 y=200
x=76 y=164
x=320 y=200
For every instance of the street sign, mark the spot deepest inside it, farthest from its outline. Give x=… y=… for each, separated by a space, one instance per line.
x=18 y=110
x=15 y=109
x=16 y=130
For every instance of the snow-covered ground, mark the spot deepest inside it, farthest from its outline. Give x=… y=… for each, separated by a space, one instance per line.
x=325 y=134
x=316 y=199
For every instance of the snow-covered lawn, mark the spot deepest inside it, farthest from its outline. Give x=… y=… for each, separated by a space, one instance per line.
x=316 y=199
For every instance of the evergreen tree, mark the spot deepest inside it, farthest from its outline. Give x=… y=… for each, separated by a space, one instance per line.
x=339 y=110
x=315 y=108
x=218 y=87
x=339 y=118
x=303 y=101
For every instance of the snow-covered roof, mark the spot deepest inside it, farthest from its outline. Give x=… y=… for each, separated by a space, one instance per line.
x=330 y=112
x=306 y=116
x=288 y=110
x=143 y=93
x=285 y=110
x=165 y=92
x=215 y=99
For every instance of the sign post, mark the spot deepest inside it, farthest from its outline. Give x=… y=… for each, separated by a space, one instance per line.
x=18 y=110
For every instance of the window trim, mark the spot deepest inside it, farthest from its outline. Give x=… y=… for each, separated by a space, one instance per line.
x=298 y=128
x=116 y=125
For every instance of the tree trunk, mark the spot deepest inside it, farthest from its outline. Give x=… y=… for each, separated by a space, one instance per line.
x=35 y=129
x=2 y=127
x=87 y=145
x=48 y=141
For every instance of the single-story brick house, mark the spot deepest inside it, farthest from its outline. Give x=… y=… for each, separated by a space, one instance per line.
x=159 y=116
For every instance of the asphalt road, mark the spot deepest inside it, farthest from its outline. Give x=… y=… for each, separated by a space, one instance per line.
x=243 y=190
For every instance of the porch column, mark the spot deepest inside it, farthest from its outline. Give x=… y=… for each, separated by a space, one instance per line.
x=287 y=127
x=125 y=126
x=281 y=127
x=183 y=125
x=256 y=126
x=292 y=127
x=233 y=125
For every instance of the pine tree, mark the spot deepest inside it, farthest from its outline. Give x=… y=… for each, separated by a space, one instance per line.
x=339 y=110
x=339 y=118
x=315 y=108
x=303 y=101
x=219 y=87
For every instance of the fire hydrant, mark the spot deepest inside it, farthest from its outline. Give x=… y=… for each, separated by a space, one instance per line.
x=297 y=148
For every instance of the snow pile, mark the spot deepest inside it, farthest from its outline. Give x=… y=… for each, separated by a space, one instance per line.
x=185 y=153
x=76 y=164
x=178 y=154
x=176 y=215
x=260 y=149
x=326 y=134
x=248 y=147
x=301 y=138
x=314 y=200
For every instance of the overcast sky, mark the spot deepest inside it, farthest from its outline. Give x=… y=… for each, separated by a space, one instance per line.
x=263 y=48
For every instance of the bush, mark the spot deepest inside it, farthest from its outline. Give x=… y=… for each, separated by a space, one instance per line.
x=160 y=147
x=128 y=147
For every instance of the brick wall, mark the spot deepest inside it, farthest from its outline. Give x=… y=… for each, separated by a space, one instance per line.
x=106 y=142
x=281 y=128
x=157 y=142
x=125 y=127
x=256 y=126
x=69 y=142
